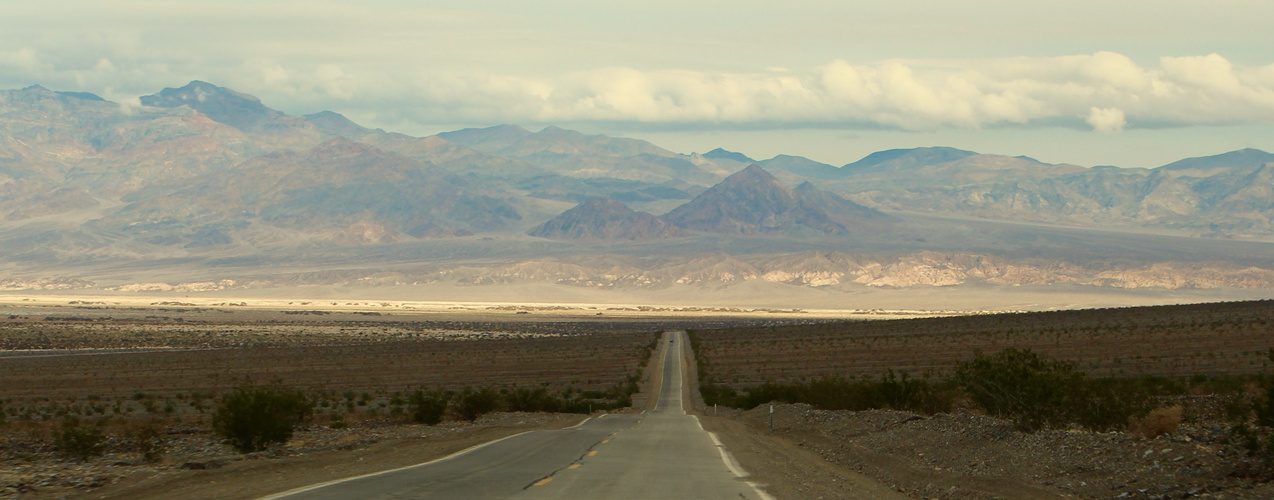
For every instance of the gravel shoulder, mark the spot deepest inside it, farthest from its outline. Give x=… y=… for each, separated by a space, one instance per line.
x=966 y=456
x=788 y=469
x=784 y=468
x=815 y=453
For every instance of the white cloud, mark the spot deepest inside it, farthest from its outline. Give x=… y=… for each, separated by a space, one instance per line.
x=1107 y=120
x=127 y=105
x=1106 y=90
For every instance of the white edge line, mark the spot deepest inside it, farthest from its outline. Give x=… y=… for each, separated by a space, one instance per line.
x=759 y=492
x=312 y=487
x=733 y=465
x=730 y=463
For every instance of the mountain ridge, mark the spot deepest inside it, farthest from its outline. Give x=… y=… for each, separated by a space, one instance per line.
x=208 y=175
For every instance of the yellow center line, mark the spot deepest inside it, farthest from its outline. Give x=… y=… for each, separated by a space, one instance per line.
x=592 y=453
x=604 y=441
x=573 y=466
x=542 y=482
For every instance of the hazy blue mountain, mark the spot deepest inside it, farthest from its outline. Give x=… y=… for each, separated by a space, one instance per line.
x=1242 y=158
x=897 y=160
x=803 y=167
x=489 y=139
x=722 y=154
x=340 y=191
x=236 y=109
x=575 y=154
x=213 y=171
x=54 y=145
x=333 y=123
x=87 y=96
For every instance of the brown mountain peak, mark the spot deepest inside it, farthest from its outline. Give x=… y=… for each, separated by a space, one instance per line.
x=605 y=219
x=751 y=201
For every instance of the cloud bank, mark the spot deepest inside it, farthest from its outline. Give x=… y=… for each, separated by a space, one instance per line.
x=1106 y=92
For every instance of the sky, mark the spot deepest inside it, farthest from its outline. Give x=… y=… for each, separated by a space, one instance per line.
x=1112 y=82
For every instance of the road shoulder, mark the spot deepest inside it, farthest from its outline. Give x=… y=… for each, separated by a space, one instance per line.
x=789 y=470
x=258 y=477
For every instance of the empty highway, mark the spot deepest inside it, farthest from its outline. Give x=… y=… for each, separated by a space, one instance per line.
x=662 y=453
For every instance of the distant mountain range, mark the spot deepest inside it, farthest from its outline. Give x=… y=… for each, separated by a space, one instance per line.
x=203 y=173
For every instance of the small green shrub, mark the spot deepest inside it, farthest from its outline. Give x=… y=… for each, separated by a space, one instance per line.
x=892 y=390
x=1259 y=440
x=529 y=399
x=1111 y=404
x=79 y=441
x=253 y=417
x=1021 y=385
x=428 y=407
x=1263 y=406
x=148 y=440
x=474 y=403
x=901 y=392
x=714 y=394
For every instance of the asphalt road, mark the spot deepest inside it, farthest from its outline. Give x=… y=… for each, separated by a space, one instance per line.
x=661 y=454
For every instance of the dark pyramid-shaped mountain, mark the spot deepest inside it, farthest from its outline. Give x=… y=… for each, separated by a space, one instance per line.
x=752 y=201
x=897 y=160
x=605 y=219
x=224 y=105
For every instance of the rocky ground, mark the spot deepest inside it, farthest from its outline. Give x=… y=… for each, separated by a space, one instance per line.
x=197 y=465
x=963 y=455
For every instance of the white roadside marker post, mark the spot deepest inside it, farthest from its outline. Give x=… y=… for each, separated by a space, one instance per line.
x=771 y=418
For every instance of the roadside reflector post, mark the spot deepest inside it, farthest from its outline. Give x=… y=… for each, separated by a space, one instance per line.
x=714 y=409
x=771 y=418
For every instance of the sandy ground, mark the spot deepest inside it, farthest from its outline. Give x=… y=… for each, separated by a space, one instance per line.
x=749 y=297
x=14 y=303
